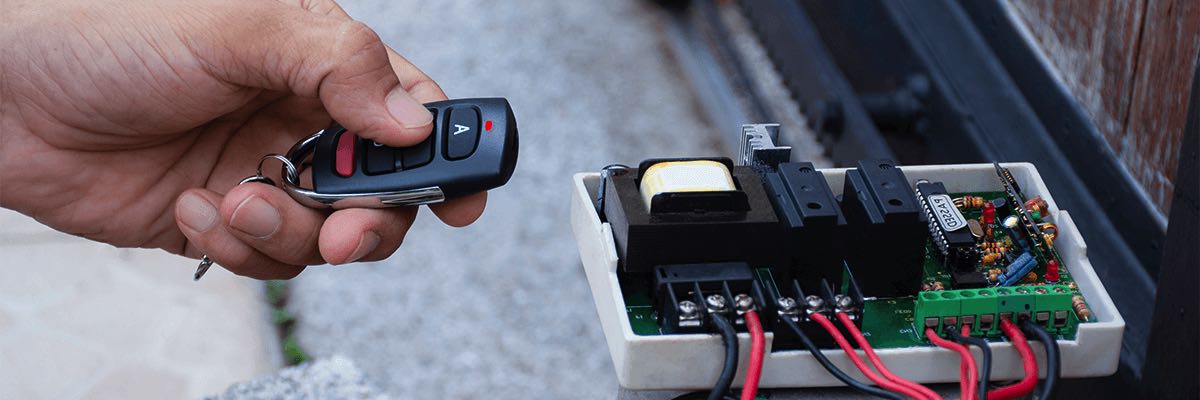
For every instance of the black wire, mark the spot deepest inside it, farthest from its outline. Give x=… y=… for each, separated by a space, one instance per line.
x=833 y=369
x=729 y=339
x=986 y=373
x=699 y=396
x=1053 y=362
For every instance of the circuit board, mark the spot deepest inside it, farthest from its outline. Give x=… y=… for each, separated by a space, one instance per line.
x=887 y=322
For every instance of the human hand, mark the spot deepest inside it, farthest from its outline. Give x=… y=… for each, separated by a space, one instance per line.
x=131 y=122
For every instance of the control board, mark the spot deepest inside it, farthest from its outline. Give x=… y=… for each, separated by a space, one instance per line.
x=899 y=252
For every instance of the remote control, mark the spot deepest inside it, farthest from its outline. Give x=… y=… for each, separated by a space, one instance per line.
x=473 y=148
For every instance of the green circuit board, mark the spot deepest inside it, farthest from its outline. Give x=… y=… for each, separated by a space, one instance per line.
x=887 y=322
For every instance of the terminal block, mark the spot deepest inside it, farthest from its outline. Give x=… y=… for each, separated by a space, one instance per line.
x=982 y=309
x=685 y=294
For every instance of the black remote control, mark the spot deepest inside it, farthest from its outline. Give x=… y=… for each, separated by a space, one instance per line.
x=473 y=148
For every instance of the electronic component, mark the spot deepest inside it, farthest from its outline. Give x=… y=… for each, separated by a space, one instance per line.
x=646 y=356
x=1026 y=222
x=686 y=293
x=981 y=308
x=758 y=148
x=473 y=148
x=882 y=213
x=949 y=231
x=692 y=227
x=684 y=176
x=812 y=220
x=1017 y=269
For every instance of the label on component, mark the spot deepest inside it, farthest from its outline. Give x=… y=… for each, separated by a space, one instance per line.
x=947 y=214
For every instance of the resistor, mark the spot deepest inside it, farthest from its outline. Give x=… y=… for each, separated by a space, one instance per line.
x=1081 y=308
x=969 y=202
x=1037 y=204
x=1052 y=270
x=994 y=274
x=993 y=247
x=990 y=258
x=933 y=286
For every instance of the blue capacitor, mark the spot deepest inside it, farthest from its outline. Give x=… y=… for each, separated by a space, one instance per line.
x=1018 y=269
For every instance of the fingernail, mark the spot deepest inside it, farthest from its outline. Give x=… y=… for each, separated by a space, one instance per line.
x=196 y=212
x=366 y=244
x=255 y=217
x=407 y=110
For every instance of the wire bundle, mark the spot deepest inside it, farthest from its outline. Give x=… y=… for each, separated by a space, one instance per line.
x=973 y=382
x=985 y=372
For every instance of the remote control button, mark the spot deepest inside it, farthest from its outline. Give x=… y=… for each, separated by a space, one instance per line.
x=380 y=159
x=462 y=133
x=344 y=154
x=417 y=155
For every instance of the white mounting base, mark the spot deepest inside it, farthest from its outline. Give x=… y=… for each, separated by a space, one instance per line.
x=693 y=361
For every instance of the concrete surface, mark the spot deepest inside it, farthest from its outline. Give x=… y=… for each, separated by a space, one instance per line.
x=80 y=319
x=332 y=378
x=501 y=309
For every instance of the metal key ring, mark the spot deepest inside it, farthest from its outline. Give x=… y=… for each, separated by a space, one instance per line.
x=289 y=172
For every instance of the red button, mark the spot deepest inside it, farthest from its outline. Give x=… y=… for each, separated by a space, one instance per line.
x=343 y=161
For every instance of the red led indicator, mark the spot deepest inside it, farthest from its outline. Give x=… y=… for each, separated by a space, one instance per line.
x=487 y=125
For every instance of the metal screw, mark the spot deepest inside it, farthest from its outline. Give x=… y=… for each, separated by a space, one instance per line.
x=844 y=301
x=814 y=302
x=787 y=305
x=716 y=302
x=688 y=310
x=743 y=302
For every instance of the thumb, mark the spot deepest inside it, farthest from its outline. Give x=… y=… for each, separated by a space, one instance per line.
x=343 y=62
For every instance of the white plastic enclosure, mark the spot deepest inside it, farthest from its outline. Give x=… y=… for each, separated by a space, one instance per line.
x=693 y=361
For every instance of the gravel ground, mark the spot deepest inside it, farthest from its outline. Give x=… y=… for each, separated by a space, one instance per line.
x=501 y=309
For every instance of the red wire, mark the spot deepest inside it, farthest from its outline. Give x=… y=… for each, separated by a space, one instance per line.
x=845 y=345
x=878 y=363
x=1028 y=362
x=966 y=383
x=758 y=346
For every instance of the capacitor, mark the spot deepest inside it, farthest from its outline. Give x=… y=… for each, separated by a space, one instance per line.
x=1052 y=270
x=989 y=214
x=1001 y=207
x=1013 y=227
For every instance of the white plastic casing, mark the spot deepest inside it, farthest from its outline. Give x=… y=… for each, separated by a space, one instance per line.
x=693 y=361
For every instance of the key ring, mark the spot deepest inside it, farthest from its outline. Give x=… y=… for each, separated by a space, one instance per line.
x=290 y=174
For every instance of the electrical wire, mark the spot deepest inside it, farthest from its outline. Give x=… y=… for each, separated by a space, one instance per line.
x=858 y=362
x=758 y=346
x=966 y=383
x=833 y=369
x=878 y=363
x=985 y=373
x=1028 y=363
x=1053 y=361
x=729 y=339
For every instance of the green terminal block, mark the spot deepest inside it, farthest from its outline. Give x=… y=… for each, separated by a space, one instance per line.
x=982 y=309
